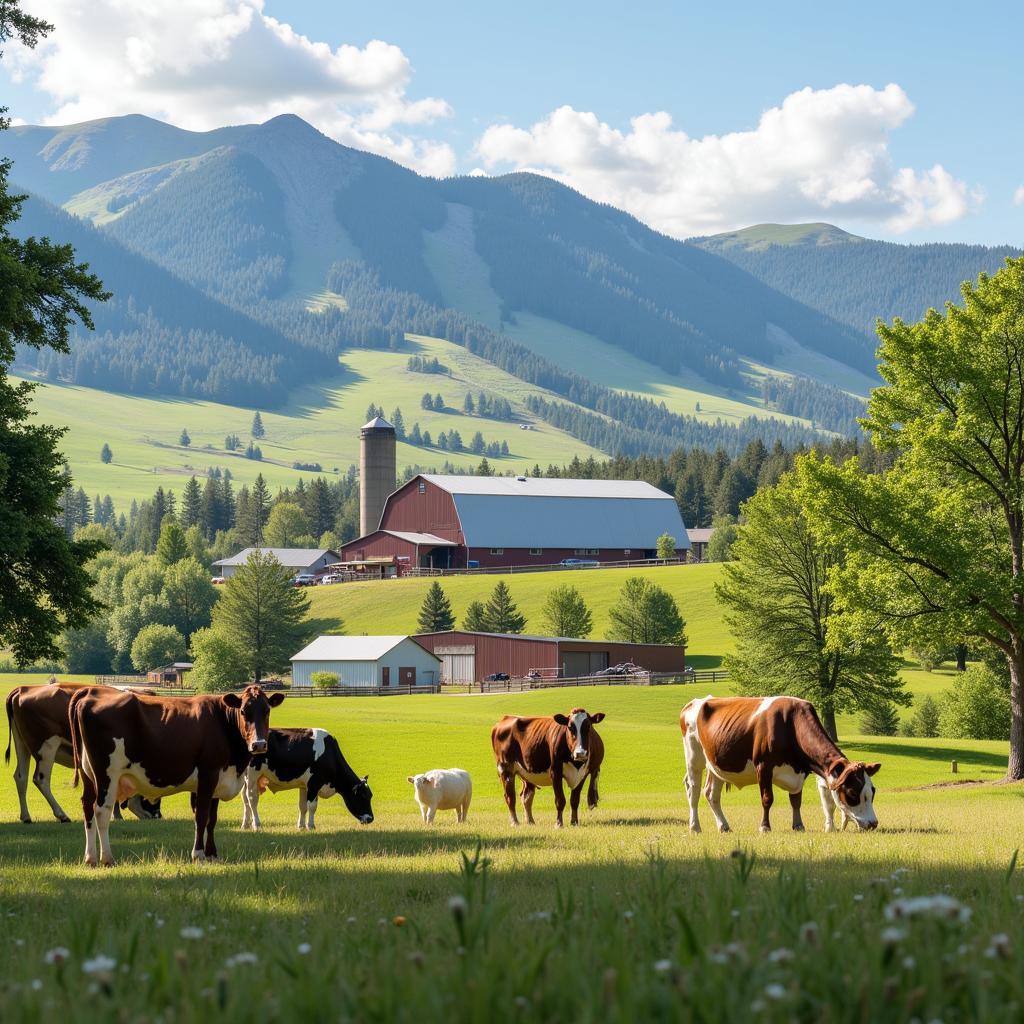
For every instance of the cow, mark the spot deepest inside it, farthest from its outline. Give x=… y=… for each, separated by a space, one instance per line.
x=549 y=752
x=37 y=719
x=442 y=789
x=773 y=741
x=124 y=743
x=310 y=761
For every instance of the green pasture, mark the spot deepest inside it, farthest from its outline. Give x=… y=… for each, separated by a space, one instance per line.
x=628 y=917
x=319 y=423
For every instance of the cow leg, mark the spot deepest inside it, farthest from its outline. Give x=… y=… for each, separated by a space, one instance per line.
x=310 y=822
x=592 y=795
x=574 y=804
x=303 y=809
x=559 y=798
x=508 y=785
x=430 y=814
x=89 y=816
x=764 y=783
x=464 y=809
x=713 y=792
x=201 y=809
x=210 y=849
x=21 y=768
x=695 y=761
x=827 y=805
x=528 y=792
x=795 y=800
x=44 y=772
x=116 y=814
x=106 y=801
x=250 y=802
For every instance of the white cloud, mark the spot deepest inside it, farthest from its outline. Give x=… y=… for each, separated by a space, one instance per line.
x=205 y=63
x=821 y=153
x=1018 y=196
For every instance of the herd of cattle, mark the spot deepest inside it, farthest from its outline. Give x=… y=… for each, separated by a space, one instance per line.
x=131 y=748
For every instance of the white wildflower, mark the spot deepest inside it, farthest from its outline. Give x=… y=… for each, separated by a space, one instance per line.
x=781 y=956
x=240 y=959
x=775 y=991
x=663 y=966
x=893 y=936
x=809 y=933
x=37 y=985
x=99 y=964
x=57 y=955
x=909 y=963
x=938 y=906
x=858 y=897
x=998 y=946
x=540 y=915
x=191 y=932
x=458 y=906
x=627 y=915
x=304 y=949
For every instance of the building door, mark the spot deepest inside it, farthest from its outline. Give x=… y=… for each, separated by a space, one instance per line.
x=385 y=675
x=407 y=676
x=458 y=668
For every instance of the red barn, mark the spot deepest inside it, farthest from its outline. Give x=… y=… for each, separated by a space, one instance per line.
x=460 y=521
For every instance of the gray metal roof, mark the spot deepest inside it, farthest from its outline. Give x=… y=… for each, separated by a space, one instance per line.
x=291 y=558
x=421 y=538
x=378 y=423
x=351 y=648
x=700 y=536
x=511 y=512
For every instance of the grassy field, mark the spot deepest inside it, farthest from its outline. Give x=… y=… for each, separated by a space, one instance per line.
x=626 y=918
x=320 y=424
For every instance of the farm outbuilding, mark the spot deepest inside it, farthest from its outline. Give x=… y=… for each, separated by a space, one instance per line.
x=443 y=522
x=367 y=661
x=299 y=560
x=469 y=657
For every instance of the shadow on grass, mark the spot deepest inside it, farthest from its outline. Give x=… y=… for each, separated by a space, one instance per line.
x=943 y=754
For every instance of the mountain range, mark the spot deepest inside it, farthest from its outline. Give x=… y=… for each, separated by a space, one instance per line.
x=247 y=260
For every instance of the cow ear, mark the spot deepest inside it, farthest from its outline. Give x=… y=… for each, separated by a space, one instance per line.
x=232 y=700
x=870 y=769
x=274 y=699
x=599 y=717
x=561 y=719
x=408 y=778
x=366 y=779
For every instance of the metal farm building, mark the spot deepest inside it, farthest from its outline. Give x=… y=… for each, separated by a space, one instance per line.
x=367 y=661
x=444 y=522
x=469 y=657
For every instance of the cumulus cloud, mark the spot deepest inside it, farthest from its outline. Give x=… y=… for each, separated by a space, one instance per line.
x=205 y=63
x=821 y=153
x=1018 y=196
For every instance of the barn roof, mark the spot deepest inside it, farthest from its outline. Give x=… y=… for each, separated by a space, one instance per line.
x=421 y=538
x=350 y=648
x=292 y=558
x=535 y=512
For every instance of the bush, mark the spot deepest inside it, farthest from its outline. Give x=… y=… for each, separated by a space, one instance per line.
x=882 y=720
x=156 y=645
x=217 y=665
x=925 y=723
x=929 y=658
x=978 y=708
x=323 y=680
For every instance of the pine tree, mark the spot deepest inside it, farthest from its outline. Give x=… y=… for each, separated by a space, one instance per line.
x=436 y=614
x=257 y=430
x=398 y=422
x=484 y=469
x=438 y=403
x=191 y=503
x=106 y=455
x=172 y=546
x=427 y=401
x=477 y=446
x=500 y=613
x=467 y=406
x=184 y=440
x=475 y=619
x=428 y=441
x=415 y=437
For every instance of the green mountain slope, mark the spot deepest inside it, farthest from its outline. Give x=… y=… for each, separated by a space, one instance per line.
x=855 y=280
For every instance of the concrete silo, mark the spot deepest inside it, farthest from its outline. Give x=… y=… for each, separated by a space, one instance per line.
x=377 y=471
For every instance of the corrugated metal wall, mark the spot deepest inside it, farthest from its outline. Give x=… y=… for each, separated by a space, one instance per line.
x=349 y=673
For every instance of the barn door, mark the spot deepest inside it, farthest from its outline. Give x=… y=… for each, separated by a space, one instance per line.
x=458 y=668
x=385 y=675
x=407 y=676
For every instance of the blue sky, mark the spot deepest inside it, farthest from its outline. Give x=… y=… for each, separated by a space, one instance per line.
x=466 y=86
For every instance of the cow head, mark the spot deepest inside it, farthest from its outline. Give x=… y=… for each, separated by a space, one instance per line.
x=358 y=799
x=577 y=731
x=253 y=705
x=853 y=790
x=142 y=808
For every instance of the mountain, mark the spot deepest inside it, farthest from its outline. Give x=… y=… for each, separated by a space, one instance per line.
x=852 y=279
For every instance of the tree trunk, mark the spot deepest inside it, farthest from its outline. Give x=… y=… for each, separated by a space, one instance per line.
x=961 y=657
x=258 y=677
x=1015 y=767
x=828 y=720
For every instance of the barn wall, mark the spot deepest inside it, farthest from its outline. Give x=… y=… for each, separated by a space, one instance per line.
x=349 y=673
x=551 y=556
x=410 y=655
x=433 y=511
x=378 y=545
x=653 y=657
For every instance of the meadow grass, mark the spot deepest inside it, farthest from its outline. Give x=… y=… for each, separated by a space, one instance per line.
x=627 y=917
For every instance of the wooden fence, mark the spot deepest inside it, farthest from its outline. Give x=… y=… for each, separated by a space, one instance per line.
x=520 y=685
x=494 y=570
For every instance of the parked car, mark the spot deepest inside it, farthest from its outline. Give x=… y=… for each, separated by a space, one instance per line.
x=496 y=677
x=579 y=563
x=217 y=580
x=331 y=577
x=625 y=668
x=304 y=579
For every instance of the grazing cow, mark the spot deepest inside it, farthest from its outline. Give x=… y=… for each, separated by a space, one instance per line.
x=443 y=789
x=37 y=717
x=310 y=761
x=124 y=743
x=771 y=741
x=548 y=752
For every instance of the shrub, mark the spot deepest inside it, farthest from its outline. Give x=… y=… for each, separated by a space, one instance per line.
x=217 y=665
x=156 y=645
x=929 y=658
x=880 y=720
x=323 y=680
x=925 y=722
x=978 y=708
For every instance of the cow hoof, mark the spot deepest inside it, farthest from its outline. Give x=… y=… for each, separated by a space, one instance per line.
x=799 y=828
x=764 y=828
x=107 y=863
x=90 y=862
x=558 y=824
x=64 y=821
x=198 y=856
x=695 y=830
x=725 y=828
x=26 y=821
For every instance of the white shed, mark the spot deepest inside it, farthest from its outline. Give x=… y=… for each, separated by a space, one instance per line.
x=367 y=661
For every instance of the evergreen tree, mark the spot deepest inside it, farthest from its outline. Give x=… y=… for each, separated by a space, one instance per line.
x=262 y=614
x=398 y=422
x=500 y=613
x=191 y=503
x=477 y=446
x=428 y=441
x=467 y=406
x=258 y=429
x=565 y=613
x=415 y=437
x=484 y=469
x=436 y=613
x=184 y=440
x=172 y=546
x=475 y=619
x=427 y=401
x=106 y=455
x=209 y=509
x=645 y=613
x=438 y=403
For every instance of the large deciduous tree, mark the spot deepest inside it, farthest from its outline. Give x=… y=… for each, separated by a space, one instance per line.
x=937 y=543
x=788 y=631
x=262 y=614
x=44 y=587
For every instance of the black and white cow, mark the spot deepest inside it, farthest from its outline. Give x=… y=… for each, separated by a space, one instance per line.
x=310 y=761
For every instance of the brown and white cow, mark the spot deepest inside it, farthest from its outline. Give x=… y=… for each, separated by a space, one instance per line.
x=771 y=741
x=125 y=743
x=37 y=717
x=563 y=749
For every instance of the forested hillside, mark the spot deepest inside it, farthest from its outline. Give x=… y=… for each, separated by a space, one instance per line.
x=855 y=280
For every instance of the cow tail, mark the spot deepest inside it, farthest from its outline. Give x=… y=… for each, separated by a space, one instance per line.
x=10 y=725
x=75 y=741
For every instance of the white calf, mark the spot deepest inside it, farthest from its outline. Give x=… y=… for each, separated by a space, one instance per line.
x=443 y=789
